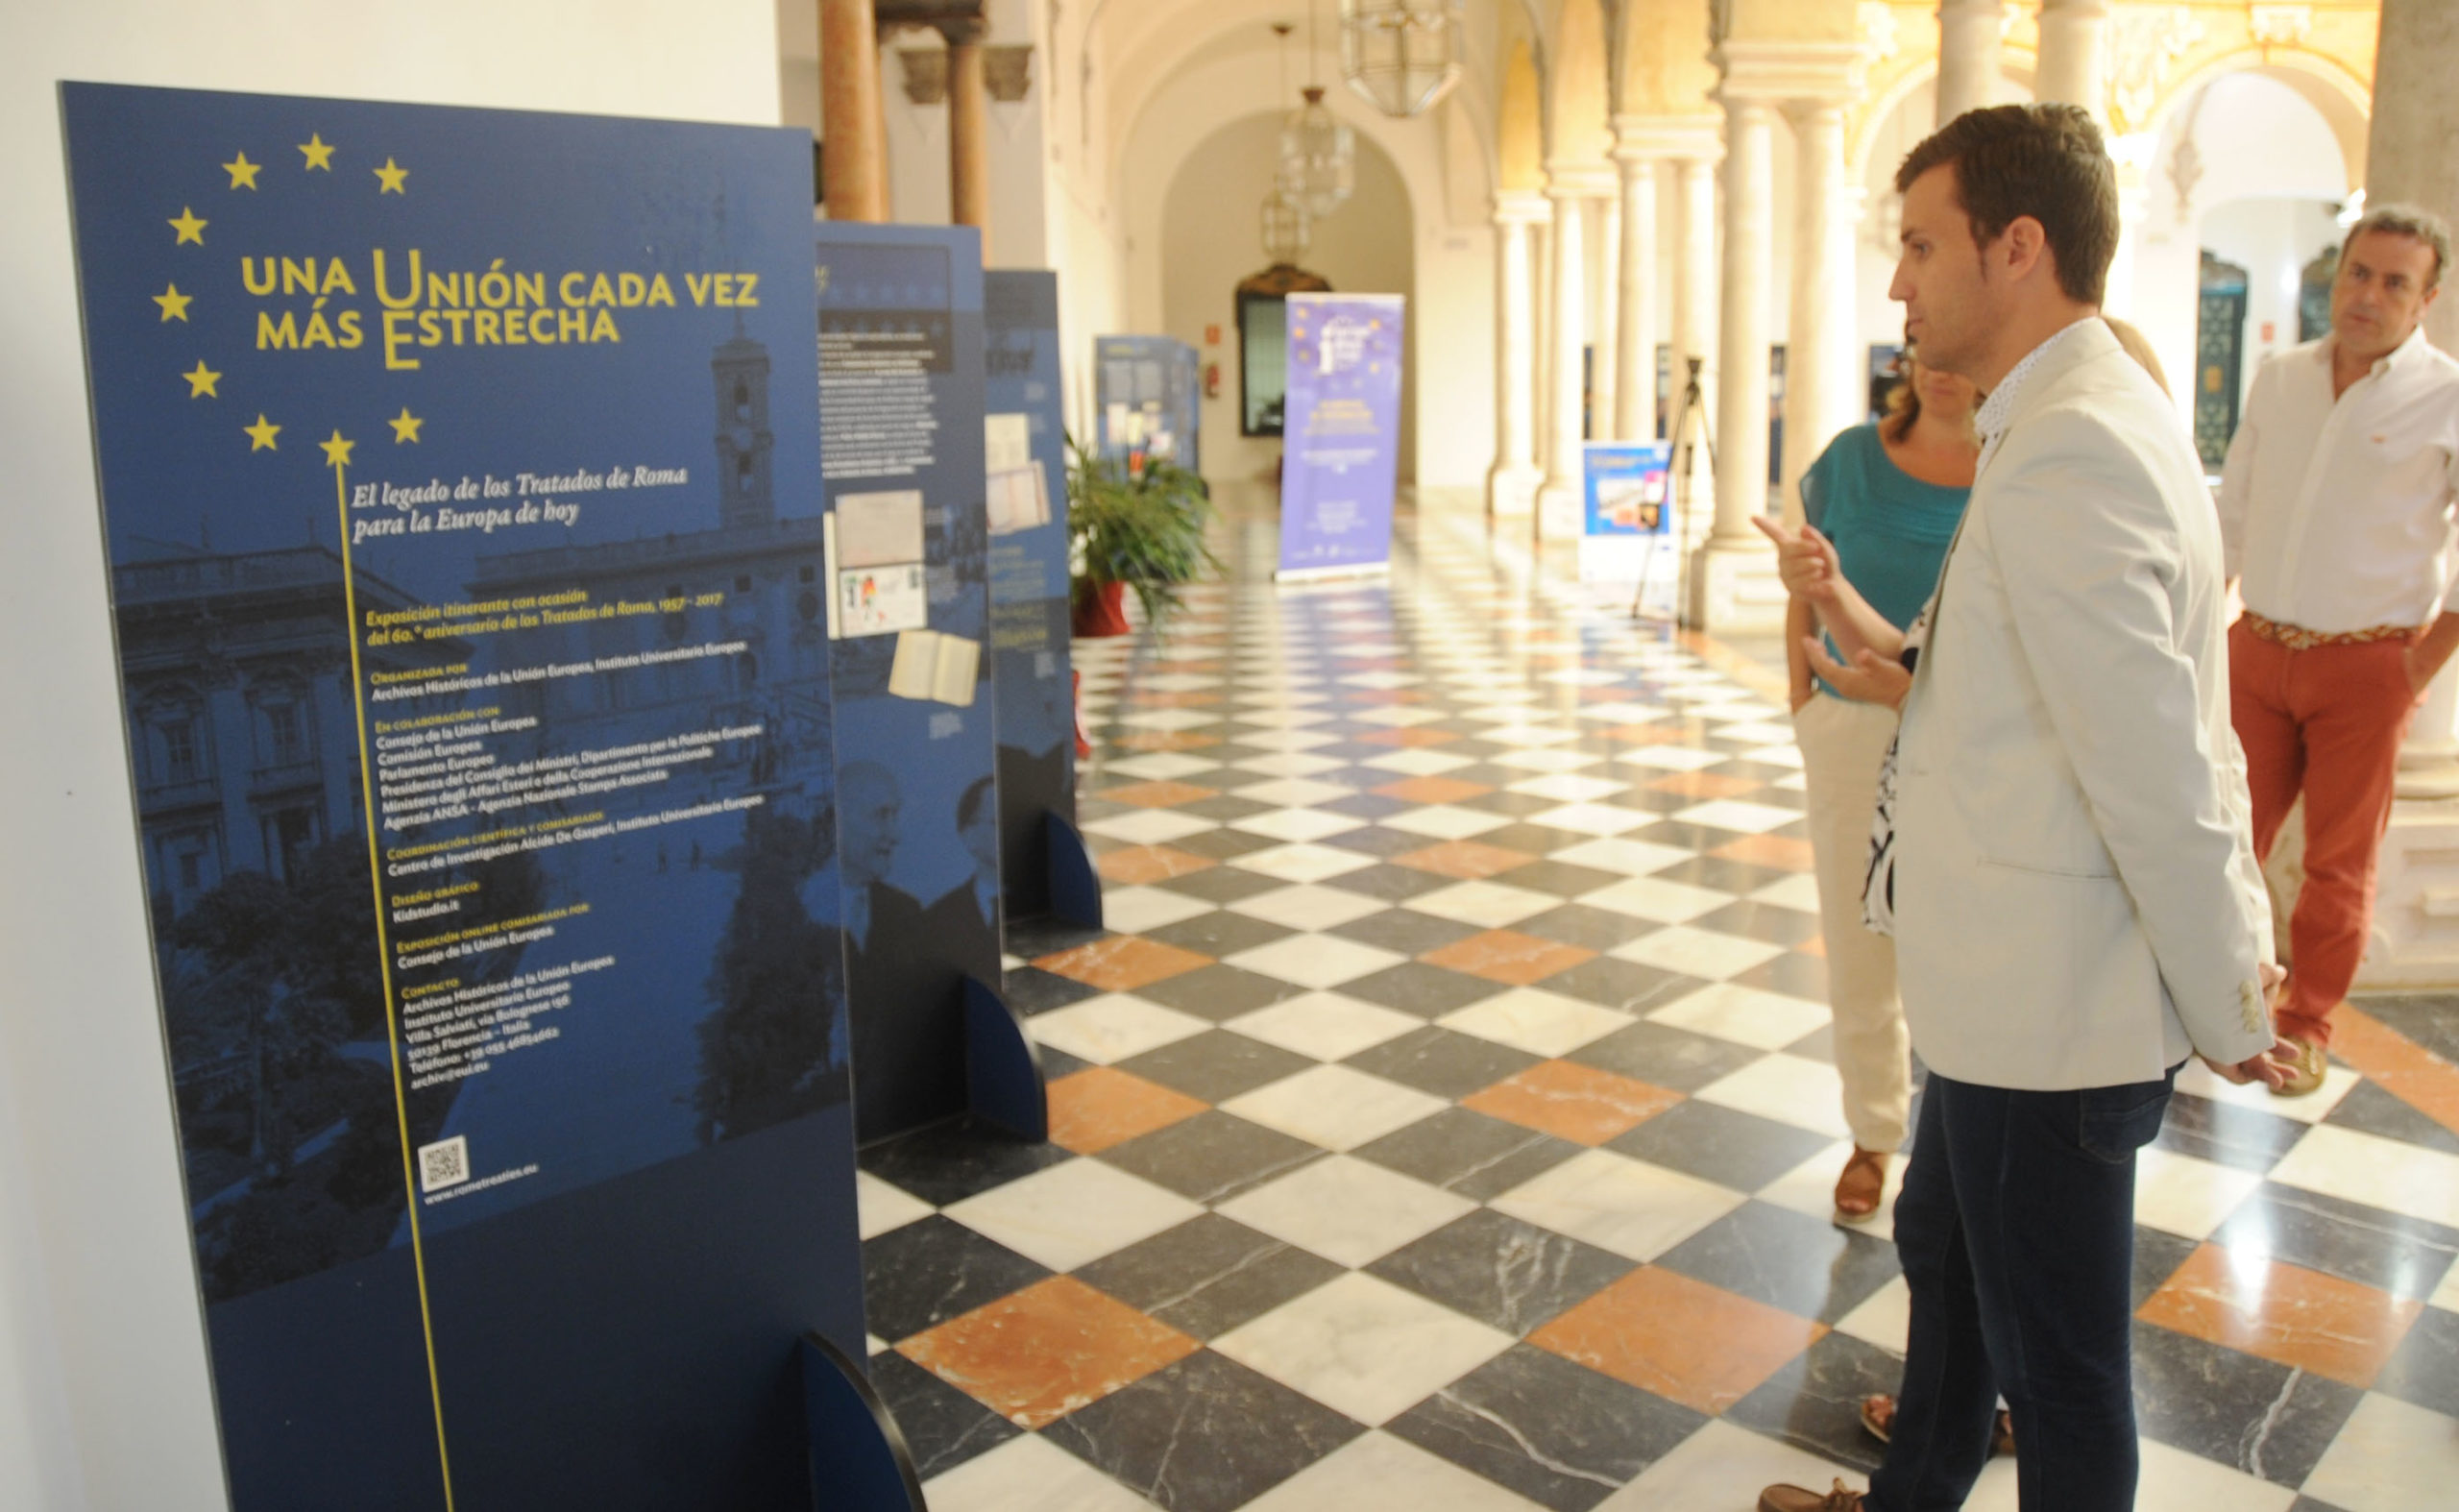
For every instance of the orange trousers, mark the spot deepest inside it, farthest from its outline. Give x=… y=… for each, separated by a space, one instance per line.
x=2325 y=722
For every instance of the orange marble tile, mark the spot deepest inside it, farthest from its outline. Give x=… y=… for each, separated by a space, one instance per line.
x=1041 y=1353
x=2403 y=1068
x=1504 y=955
x=1653 y=734
x=1409 y=738
x=1682 y=1339
x=1098 y=1108
x=1573 y=1102
x=1158 y=794
x=1134 y=865
x=1196 y=698
x=1763 y=850
x=1122 y=963
x=1704 y=785
x=1432 y=789
x=2285 y=1313
x=1163 y=741
x=1465 y=859
x=1816 y=945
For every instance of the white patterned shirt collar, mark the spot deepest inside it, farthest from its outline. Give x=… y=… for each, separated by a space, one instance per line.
x=1998 y=408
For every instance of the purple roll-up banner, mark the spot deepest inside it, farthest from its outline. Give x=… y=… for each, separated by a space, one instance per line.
x=1343 y=433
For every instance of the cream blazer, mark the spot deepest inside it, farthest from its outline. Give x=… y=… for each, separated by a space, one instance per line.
x=2077 y=899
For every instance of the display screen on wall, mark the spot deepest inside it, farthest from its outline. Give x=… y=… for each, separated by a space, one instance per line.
x=461 y=482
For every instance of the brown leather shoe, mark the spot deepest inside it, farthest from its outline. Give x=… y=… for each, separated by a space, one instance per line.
x=1858 y=1189
x=1878 y=1421
x=2305 y=1073
x=1801 y=1499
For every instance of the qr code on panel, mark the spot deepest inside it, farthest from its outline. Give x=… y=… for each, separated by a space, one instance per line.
x=444 y=1164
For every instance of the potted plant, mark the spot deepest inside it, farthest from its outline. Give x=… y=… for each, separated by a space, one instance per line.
x=1140 y=523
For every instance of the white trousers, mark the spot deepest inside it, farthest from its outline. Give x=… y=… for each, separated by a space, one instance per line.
x=1843 y=744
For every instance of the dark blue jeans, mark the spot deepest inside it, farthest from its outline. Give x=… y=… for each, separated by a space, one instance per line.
x=2017 y=1229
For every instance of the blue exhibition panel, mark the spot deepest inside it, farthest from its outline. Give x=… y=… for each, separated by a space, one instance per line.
x=1148 y=392
x=462 y=482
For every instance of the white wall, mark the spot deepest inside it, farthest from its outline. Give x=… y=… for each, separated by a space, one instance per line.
x=2272 y=240
x=104 y=1397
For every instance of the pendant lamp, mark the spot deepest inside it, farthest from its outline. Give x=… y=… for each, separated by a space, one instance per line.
x=1401 y=56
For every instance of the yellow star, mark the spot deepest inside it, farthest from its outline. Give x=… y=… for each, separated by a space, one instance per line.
x=201 y=381
x=242 y=172
x=320 y=154
x=406 y=426
x=337 y=450
x=175 y=304
x=261 y=433
x=392 y=176
x=189 y=227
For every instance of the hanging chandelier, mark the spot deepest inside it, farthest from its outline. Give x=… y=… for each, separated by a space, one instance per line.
x=1286 y=234
x=1318 y=153
x=1403 y=56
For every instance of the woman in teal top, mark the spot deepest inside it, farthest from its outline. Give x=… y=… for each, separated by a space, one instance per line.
x=1888 y=496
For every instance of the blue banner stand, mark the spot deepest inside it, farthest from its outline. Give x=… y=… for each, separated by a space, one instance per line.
x=1075 y=887
x=860 y=1461
x=1003 y=1075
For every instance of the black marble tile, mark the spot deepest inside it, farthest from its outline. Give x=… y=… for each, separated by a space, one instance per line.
x=951 y=1162
x=1558 y=1433
x=1792 y=973
x=1502 y=1271
x=1056 y=1062
x=1805 y=1265
x=1223 y=844
x=1414 y=987
x=1439 y=1062
x=1777 y=926
x=1373 y=839
x=1814 y=1402
x=1737 y=877
x=1467 y=1152
x=1216 y=1065
x=2267 y=1420
x=1364 y=805
x=1820 y=1044
x=919 y=1275
x=1391 y=882
x=1220 y=932
x=1228 y=808
x=2429 y=1019
x=1211 y=1156
x=2369 y=1108
x=2389 y=1252
x=1679 y=834
x=2312 y=1504
x=1208 y=1274
x=1624 y=984
x=1205 y=1436
x=1733 y=1149
x=1513 y=805
x=1579 y=924
x=1221 y=884
x=1219 y=992
x=1538 y=840
x=1030 y=990
x=1030 y=938
x=2226 y=1133
x=1674 y=1058
x=2156 y=1257
x=1405 y=930
x=943 y=1425
x=2425 y=1368
x=1561 y=879
x=1645 y=799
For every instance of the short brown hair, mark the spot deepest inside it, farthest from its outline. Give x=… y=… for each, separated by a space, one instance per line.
x=2407 y=220
x=2043 y=160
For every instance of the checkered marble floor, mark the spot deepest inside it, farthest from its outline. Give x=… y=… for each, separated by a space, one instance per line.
x=1447 y=1119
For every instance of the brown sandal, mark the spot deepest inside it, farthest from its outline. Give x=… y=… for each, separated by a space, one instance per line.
x=1858 y=1189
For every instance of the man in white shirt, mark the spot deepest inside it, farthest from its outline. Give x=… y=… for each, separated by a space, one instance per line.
x=2077 y=904
x=2336 y=509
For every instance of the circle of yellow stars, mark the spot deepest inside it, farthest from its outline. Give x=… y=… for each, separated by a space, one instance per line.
x=316 y=155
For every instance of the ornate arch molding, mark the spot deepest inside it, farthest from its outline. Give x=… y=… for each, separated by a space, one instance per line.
x=2343 y=97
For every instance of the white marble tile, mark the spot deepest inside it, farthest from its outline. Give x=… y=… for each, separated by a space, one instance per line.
x=2172 y=1477
x=1788 y=1089
x=1416 y=761
x=1593 y=818
x=1530 y=734
x=1567 y=787
x=1629 y=1207
x=1345 y=1209
x=1884 y=1318
x=1334 y=1106
x=1787 y=754
x=1170 y=718
x=1800 y=890
x=1302 y=863
x=1294 y=792
x=1286 y=739
x=1316 y=960
x=1539 y=1022
x=1028 y=1474
x=1399 y=715
x=1733 y=814
x=1307 y=907
x=1073 y=1214
x=1759 y=732
x=2311 y=1108
x=1723 y=1468
x=1673 y=758
x=1635 y=858
x=1149 y=826
x=1158 y=765
x=2188 y=1196
x=1279 y=718
x=1295 y=825
x=1489 y=905
x=2446 y=1295
x=1810 y=1189
x=1657 y=899
x=1792 y=782
x=1703 y=953
x=1623 y=712
x=1177 y=682
x=1444 y=821
x=1551 y=758
x=1746 y=1015
x=1111 y=1027
x=2381 y=1173
x=880 y=1206
x=1135 y=910
x=1382 y=682
x=1289 y=764
x=1378 y=1471
x=1326 y=1026
x=1363 y=1346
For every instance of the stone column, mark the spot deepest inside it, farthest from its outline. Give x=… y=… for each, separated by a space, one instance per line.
x=1635 y=321
x=1970 y=33
x=1821 y=384
x=1693 y=332
x=1511 y=488
x=2074 y=55
x=1605 y=280
x=852 y=144
x=968 y=129
x=1741 y=348
x=1558 y=502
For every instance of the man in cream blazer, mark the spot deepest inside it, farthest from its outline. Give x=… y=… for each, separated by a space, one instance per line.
x=2077 y=908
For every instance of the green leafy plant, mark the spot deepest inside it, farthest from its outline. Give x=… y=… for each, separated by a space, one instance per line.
x=1140 y=523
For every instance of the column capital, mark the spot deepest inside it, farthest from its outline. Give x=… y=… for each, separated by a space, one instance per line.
x=1522 y=208
x=1771 y=73
x=1644 y=138
x=1592 y=180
